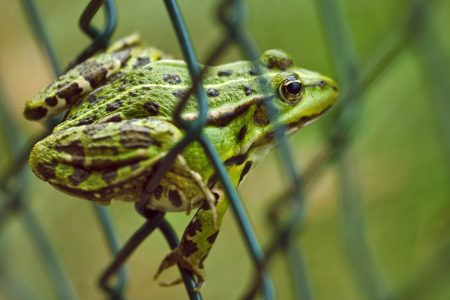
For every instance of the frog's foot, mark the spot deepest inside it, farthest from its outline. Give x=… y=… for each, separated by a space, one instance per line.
x=175 y=257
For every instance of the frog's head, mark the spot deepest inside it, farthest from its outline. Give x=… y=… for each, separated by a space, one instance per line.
x=300 y=96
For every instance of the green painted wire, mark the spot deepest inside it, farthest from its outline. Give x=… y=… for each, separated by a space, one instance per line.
x=249 y=235
x=286 y=233
x=102 y=37
x=114 y=243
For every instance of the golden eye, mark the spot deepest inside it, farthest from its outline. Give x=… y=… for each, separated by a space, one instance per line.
x=291 y=89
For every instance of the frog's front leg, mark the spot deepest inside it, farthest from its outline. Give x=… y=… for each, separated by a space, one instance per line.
x=197 y=240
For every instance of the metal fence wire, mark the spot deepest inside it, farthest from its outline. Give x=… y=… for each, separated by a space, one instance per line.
x=354 y=81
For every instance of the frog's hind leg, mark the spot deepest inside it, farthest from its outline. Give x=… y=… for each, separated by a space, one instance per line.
x=100 y=162
x=197 y=240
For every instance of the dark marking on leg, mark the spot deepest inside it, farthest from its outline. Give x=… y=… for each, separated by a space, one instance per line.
x=114 y=150
x=69 y=92
x=217 y=196
x=171 y=78
x=248 y=90
x=122 y=87
x=75 y=148
x=188 y=247
x=47 y=170
x=212 y=181
x=236 y=160
x=213 y=237
x=51 y=101
x=193 y=227
x=149 y=68
x=253 y=72
x=90 y=130
x=35 y=114
x=152 y=108
x=157 y=193
x=146 y=88
x=132 y=94
x=242 y=133
x=109 y=176
x=246 y=169
x=224 y=73
x=122 y=55
x=113 y=106
x=79 y=175
x=140 y=62
x=93 y=72
x=212 y=93
x=175 y=198
x=135 y=137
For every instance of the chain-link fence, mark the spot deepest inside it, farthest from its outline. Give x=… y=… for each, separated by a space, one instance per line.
x=286 y=215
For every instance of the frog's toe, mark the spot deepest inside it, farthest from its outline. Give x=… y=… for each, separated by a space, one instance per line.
x=172 y=283
x=173 y=258
x=199 y=285
x=170 y=260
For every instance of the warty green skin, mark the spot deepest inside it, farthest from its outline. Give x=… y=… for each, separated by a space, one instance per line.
x=110 y=140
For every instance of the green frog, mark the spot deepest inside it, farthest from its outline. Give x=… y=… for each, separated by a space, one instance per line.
x=119 y=126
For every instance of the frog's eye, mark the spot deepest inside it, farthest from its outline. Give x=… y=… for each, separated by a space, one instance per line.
x=291 y=89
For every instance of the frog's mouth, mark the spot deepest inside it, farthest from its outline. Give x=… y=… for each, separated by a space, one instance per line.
x=305 y=121
x=290 y=128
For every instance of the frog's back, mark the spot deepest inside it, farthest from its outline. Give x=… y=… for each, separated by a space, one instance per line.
x=155 y=89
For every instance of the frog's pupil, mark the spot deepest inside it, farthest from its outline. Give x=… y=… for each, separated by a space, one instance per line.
x=294 y=87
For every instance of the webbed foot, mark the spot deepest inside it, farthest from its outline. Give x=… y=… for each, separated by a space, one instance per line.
x=175 y=257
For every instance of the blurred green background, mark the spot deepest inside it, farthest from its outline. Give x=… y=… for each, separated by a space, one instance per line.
x=397 y=148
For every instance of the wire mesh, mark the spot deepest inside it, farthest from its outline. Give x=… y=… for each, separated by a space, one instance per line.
x=354 y=83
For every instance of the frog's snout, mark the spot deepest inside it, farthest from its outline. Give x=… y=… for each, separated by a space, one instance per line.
x=328 y=83
x=325 y=81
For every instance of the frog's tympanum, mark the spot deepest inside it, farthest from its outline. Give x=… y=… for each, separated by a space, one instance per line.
x=119 y=125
